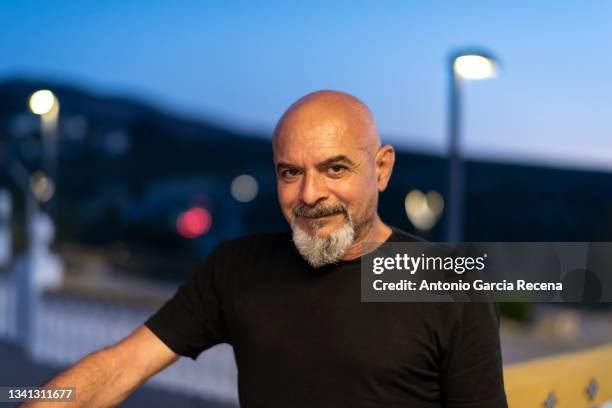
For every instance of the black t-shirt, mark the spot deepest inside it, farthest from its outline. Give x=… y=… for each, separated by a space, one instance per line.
x=303 y=338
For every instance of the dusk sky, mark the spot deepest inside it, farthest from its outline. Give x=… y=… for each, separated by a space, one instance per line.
x=241 y=64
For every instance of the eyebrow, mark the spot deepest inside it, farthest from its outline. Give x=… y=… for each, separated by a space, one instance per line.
x=336 y=159
x=325 y=163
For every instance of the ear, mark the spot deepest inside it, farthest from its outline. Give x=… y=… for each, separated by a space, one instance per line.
x=385 y=159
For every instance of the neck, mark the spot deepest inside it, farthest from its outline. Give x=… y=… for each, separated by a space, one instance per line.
x=377 y=232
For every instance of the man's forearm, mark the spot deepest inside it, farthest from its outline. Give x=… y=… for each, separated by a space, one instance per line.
x=99 y=381
x=107 y=377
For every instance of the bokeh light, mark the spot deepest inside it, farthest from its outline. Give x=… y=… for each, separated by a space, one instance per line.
x=42 y=102
x=423 y=210
x=42 y=186
x=244 y=188
x=194 y=222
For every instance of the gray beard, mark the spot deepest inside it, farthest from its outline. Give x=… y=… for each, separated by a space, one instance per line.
x=320 y=251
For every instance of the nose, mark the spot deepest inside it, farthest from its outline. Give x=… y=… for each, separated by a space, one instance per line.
x=313 y=189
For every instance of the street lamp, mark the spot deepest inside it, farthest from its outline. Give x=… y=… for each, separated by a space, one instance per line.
x=42 y=268
x=463 y=65
x=45 y=104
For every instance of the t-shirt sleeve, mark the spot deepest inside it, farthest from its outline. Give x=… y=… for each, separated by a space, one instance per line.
x=472 y=375
x=192 y=320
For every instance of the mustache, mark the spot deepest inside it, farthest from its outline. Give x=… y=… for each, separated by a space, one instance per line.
x=303 y=210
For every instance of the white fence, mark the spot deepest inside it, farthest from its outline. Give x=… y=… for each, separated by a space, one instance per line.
x=68 y=329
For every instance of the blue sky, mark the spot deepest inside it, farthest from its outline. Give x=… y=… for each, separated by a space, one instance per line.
x=242 y=63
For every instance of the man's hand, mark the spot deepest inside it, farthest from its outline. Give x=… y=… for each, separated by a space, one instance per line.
x=107 y=377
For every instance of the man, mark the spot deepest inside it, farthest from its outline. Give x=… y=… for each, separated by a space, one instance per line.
x=290 y=303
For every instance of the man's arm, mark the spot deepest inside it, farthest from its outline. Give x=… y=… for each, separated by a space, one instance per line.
x=107 y=377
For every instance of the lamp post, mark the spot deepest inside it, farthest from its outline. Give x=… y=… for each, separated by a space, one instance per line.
x=463 y=65
x=45 y=104
x=39 y=267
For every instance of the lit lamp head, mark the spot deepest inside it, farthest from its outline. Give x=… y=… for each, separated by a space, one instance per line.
x=43 y=102
x=474 y=65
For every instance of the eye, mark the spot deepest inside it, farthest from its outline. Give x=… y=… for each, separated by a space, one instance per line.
x=336 y=170
x=289 y=173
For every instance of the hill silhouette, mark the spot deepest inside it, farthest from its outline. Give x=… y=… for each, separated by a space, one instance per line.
x=129 y=168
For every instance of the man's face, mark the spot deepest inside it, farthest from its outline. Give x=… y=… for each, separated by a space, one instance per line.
x=326 y=177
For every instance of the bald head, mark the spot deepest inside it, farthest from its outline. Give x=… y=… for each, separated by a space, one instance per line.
x=332 y=113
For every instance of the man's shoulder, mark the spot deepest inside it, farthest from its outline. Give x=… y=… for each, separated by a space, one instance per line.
x=252 y=251
x=399 y=235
